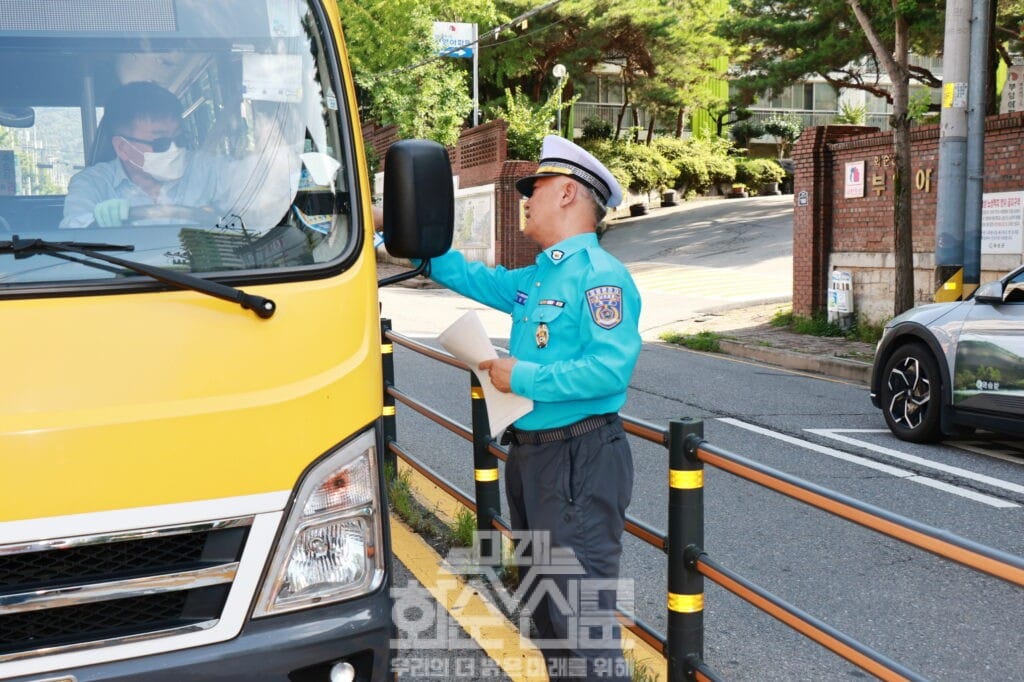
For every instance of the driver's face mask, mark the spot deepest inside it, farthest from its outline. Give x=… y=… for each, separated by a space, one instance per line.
x=165 y=166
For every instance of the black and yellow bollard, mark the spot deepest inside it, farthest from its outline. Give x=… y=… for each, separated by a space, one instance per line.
x=388 y=427
x=485 y=473
x=685 y=542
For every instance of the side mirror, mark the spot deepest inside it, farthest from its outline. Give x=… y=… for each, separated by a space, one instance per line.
x=419 y=201
x=990 y=293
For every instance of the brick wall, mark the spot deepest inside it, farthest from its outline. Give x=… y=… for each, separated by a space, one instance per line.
x=512 y=249
x=857 y=234
x=481 y=158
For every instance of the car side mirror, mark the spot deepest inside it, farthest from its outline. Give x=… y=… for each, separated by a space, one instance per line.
x=419 y=201
x=990 y=293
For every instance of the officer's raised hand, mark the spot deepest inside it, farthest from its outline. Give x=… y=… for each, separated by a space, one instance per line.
x=500 y=370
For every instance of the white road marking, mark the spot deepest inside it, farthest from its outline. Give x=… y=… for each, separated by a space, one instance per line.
x=921 y=461
x=877 y=466
x=999 y=450
x=1007 y=452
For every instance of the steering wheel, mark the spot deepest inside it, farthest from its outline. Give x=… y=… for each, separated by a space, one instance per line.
x=171 y=213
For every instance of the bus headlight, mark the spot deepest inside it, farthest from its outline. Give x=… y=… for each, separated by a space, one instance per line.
x=330 y=545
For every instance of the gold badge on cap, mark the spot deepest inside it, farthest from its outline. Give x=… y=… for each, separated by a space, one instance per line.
x=542 y=335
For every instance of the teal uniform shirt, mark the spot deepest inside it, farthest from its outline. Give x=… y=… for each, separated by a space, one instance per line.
x=575 y=326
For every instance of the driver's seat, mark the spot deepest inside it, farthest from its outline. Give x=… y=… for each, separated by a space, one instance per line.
x=102 y=149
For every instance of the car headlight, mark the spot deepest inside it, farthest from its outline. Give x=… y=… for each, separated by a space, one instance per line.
x=330 y=546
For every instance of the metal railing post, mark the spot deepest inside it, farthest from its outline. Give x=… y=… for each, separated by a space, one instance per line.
x=387 y=360
x=685 y=642
x=485 y=473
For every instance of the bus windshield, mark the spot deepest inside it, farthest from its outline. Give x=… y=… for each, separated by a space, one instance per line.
x=207 y=134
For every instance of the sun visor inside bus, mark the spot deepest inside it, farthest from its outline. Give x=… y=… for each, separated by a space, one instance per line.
x=224 y=19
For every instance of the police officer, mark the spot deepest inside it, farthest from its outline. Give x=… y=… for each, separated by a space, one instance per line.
x=574 y=343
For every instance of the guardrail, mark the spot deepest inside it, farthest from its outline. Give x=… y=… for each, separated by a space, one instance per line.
x=688 y=562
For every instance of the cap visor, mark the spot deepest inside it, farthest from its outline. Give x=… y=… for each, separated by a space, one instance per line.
x=525 y=185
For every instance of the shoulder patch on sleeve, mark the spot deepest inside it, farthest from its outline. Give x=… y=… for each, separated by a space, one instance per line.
x=605 y=303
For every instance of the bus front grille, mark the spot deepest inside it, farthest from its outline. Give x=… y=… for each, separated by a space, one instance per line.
x=77 y=592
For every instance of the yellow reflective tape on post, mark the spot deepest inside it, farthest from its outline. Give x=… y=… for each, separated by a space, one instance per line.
x=685 y=603
x=951 y=289
x=386 y=348
x=476 y=392
x=685 y=480
x=486 y=475
x=388 y=411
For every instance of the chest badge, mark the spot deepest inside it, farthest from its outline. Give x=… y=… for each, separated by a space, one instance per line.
x=542 y=335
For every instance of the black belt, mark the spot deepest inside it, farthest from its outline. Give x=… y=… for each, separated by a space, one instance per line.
x=521 y=437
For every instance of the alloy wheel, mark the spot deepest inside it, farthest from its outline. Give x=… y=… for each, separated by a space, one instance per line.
x=910 y=389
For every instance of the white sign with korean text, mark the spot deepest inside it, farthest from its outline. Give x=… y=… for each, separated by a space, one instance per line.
x=1002 y=222
x=450 y=35
x=854 y=180
x=1013 y=90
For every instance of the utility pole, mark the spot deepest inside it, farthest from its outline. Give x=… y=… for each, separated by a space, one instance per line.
x=976 y=109
x=949 y=226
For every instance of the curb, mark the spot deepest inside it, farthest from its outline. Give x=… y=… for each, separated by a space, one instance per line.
x=839 y=368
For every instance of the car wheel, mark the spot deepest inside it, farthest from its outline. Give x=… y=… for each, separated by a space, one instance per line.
x=911 y=394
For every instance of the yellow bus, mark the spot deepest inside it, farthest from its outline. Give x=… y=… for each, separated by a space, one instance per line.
x=190 y=445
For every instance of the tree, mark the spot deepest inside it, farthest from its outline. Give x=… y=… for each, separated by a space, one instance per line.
x=895 y=59
x=849 y=43
x=528 y=123
x=785 y=130
x=662 y=59
x=399 y=80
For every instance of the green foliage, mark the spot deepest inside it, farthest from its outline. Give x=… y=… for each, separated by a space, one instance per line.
x=529 y=123
x=785 y=41
x=372 y=160
x=463 y=529
x=745 y=131
x=721 y=169
x=595 y=128
x=666 y=63
x=757 y=172
x=818 y=325
x=401 y=500
x=639 y=671
x=637 y=166
x=703 y=341
x=919 y=108
x=852 y=114
x=691 y=170
x=786 y=128
x=390 y=45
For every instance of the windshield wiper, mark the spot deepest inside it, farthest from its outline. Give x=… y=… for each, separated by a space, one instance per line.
x=23 y=248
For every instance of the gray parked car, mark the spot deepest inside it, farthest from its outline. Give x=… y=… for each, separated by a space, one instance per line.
x=947 y=368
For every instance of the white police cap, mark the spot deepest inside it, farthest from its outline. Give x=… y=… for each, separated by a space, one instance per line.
x=559 y=156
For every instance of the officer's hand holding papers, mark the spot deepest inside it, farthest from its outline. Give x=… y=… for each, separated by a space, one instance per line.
x=467 y=341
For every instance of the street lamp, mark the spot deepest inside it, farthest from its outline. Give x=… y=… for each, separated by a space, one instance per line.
x=559 y=72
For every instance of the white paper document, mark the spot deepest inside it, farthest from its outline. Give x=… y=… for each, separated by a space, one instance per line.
x=467 y=341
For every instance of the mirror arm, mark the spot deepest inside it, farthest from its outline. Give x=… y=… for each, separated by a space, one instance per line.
x=423 y=269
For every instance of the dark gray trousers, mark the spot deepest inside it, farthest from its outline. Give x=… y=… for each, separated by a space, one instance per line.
x=577 y=490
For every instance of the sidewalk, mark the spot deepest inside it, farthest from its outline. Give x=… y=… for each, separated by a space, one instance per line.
x=747 y=334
